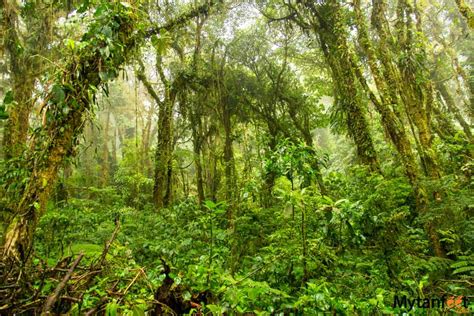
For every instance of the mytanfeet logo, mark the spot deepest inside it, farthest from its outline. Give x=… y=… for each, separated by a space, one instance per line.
x=458 y=304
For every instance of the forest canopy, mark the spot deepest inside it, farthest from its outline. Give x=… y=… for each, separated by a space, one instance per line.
x=247 y=157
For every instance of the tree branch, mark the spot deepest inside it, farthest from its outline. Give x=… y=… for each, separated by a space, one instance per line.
x=54 y=297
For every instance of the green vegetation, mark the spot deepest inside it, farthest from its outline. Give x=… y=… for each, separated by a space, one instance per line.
x=219 y=157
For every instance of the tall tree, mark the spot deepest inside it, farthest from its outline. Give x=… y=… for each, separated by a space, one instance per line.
x=70 y=96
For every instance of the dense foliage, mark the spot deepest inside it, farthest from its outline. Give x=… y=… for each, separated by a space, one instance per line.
x=236 y=157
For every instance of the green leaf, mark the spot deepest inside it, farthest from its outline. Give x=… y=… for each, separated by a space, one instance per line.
x=138 y=311
x=100 y=10
x=111 y=309
x=463 y=270
x=3 y=113
x=85 y=5
x=70 y=43
x=187 y=296
x=104 y=76
x=58 y=94
x=8 y=99
x=154 y=40
x=106 y=51
x=215 y=309
x=209 y=204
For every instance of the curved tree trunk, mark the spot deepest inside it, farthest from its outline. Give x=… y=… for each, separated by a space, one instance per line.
x=58 y=137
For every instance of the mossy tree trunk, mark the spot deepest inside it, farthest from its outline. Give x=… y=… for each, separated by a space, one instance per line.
x=70 y=97
x=164 y=150
x=452 y=107
x=22 y=81
x=58 y=136
x=389 y=84
x=466 y=12
x=332 y=34
x=196 y=113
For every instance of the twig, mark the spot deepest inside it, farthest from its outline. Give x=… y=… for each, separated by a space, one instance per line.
x=70 y=298
x=101 y=302
x=108 y=244
x=96 y=269
x=66 y=298
x=54 y=297
x=129 y=285
x=83 y=279
x=167 y=308
x=9 y=286
x=457 y=281
x=28 y=306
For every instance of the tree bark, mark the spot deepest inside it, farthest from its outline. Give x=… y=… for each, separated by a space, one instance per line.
x=105 y=153
x=162 y=155
x=332 y=36
x=22 y=80
x=58 y=139
x=308 y=139
x=387 y=104
x=466 y=12
x=451 y=104
x=228 y=155
x=196 y=126
x=163 y=161
x=417 y=92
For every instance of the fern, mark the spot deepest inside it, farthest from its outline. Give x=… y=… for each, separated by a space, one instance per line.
x=464 y=265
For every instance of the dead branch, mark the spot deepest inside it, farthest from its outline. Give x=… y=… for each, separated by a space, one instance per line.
x=28 y=306
x=130 y=285
x=102 y=300
x=54 y=297
x=108 y=244
x=93 y=310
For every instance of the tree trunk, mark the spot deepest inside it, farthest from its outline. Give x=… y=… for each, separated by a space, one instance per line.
x=270 y=176
x=228 y=161
x=22 y=84
x=163 y=155
x=197 y=143
x=466 y=12
x=308 y=139
x=417 y=93
x=114 y=158
x=451 y=104
x=162 y=189
x=146 y=142
x=332 y=36
x=105 y=153
x=386 y=107
x=58 y=137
